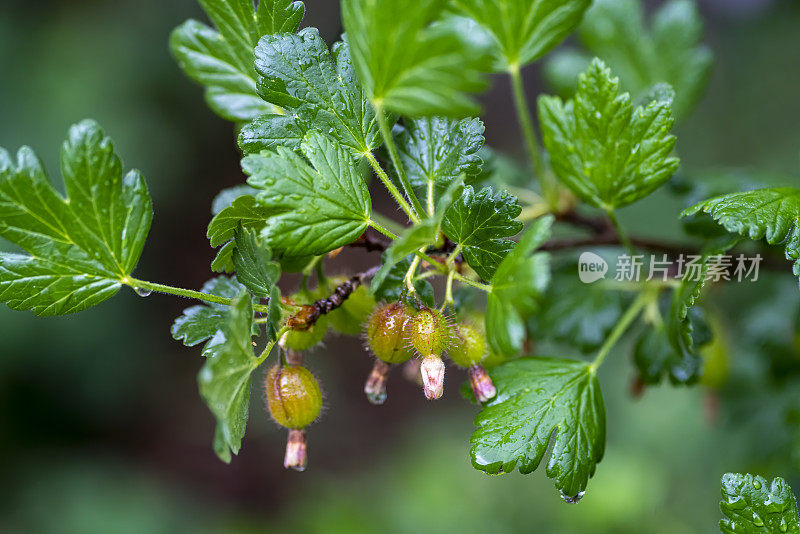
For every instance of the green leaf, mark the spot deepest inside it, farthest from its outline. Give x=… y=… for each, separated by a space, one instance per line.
x=226 y=197
x=244 y=211
x=517 y=286
x=752 y=505
x=523 y=30
x=224 y=379
x=771 y=213
x=580 y=315
x=668 y=51
x=679 y=323
x=479 y=222
x=608 y=153
x=253 y=265
x=655 y=356
x=313 y=209
x=437 y=150
x=297 y=73
x=222 y=60
x=269 y=131
x=82 y=248
x=201 y=323
x=539 y=399
x=408 y=65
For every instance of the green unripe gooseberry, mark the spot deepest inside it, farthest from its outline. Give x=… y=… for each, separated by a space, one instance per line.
x=468 y=347
x=430 y=332
x=350 y=317
x=301 y=340
x=293 y=396
x=387 y=332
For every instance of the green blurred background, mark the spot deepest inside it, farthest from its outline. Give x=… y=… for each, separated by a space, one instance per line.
x=101 y=426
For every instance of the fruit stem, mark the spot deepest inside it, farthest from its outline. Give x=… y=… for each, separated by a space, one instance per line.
x=268 y=348
x=409 y=278
x=448 y=295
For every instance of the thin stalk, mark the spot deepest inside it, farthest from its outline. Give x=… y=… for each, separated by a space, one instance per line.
x=448 y=295
x=180 y=292
x=386 y=222
x=418 y=253
x=628 y=317
x=409 y=278
x=392 y=148
x=623 y=235
x=385 y=231
x=532 y=143
x=268 y=348
x=453 y=255
x=396 y=194
x=463 y=279
x=430 y=199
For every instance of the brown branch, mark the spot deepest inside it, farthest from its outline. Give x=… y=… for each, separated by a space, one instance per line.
x=309 y=314
x=371 y=242
x=606 y=234
x=603 y=234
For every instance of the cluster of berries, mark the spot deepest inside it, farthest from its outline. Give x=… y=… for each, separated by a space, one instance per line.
x=395 y=333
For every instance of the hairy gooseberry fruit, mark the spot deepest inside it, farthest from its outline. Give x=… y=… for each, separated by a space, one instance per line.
x=351 y=315
x=387 y=331
x=468 y=346
x=430 y=332
x=294 y=400
x=293 y=396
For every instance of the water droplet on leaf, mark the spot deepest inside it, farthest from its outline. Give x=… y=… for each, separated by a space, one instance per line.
x=573 y=499
x=143 y=292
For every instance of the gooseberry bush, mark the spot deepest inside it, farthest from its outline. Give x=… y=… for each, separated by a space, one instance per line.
x=472 y=272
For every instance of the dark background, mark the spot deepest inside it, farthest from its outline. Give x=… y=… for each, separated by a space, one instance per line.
x=101 y=426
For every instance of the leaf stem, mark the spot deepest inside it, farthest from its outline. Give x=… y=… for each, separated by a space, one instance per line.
x=526 y=124
x=396 y=194
x=625 y=321
x=463 y=279
x=385 y=231
x=265 y=353
x=621 y=233
x=392 y=148
x=180 y=292
x=453 y=255
x=430 y=198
